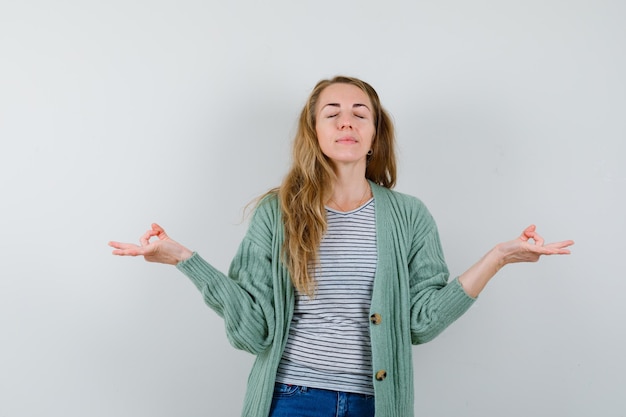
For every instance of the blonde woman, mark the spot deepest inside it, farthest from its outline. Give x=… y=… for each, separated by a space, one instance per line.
x=337 y=275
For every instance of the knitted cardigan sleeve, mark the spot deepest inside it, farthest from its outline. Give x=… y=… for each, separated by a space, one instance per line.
x=243 y=297
x=435 y=302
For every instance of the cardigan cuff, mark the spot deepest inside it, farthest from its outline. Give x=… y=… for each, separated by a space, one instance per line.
x=456 y=303
x=456 y=281
x=197 y=270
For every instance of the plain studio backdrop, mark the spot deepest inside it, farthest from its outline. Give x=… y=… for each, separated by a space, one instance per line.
x=117 y=114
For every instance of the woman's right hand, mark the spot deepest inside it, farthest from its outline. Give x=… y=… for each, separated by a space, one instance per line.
x=163 y=250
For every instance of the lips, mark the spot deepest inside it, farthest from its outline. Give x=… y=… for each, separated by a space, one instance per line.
x=346 y=139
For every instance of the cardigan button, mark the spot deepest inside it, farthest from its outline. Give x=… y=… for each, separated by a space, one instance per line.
x=381 y=375
x=376 y=318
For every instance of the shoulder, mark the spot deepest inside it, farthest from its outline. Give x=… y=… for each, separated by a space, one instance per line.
x=387 y=199
x=265 y=218
x=403 y=212
x=268 y=205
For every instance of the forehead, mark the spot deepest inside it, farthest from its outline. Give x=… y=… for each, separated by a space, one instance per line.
x=343 y=94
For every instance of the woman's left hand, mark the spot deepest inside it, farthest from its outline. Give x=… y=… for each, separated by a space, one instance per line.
x=529 y=247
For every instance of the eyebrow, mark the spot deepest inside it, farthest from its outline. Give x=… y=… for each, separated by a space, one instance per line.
x=355 y=105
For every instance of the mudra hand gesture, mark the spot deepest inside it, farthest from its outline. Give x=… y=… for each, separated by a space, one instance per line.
x=163 y=250
x=529 y=247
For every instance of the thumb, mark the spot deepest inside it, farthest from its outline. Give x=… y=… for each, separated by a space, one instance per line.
x=528 y=233
x=160 y=231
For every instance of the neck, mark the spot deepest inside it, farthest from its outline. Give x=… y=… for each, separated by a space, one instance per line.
x=349 y=193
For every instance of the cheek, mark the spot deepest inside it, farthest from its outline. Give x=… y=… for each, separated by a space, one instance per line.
x=368 y=126
x=370 y=133
x=322 y=132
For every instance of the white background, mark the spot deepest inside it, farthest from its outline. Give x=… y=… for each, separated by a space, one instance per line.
x=120 y=113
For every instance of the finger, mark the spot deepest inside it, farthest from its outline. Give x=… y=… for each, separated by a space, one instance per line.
x=561 y=245
x=122 y=245
x=557 y=248
x=126 y=249
x=555 y=251
x=160 y=231
x=538 y=239
x=528 y=233
x=114 y=244
x=127 y=252
x=145 y=238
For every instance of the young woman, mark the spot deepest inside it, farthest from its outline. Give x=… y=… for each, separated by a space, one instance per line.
x=337 y=275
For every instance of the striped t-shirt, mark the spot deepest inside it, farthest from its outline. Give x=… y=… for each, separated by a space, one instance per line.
x=329 y=343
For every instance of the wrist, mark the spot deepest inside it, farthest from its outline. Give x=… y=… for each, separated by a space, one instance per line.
x=184 y=255
x=498 y=256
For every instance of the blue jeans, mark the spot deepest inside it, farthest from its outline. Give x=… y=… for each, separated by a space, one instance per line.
x=298 y=401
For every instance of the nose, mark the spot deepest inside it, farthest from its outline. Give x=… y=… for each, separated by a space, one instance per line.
x=344 y=122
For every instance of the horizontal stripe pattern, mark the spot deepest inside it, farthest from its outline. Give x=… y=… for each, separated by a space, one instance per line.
x=329 y=343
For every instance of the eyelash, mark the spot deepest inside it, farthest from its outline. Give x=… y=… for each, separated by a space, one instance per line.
x=335 y=115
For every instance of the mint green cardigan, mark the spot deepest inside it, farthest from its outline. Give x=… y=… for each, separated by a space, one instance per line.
x=411 y=295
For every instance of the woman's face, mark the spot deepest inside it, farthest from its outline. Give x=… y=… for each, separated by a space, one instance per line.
x=345 y=124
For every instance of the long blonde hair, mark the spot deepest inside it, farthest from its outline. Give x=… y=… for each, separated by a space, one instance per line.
x=304 y=189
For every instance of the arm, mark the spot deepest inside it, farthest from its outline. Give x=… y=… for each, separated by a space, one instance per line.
x=244 y=297
x=521 y=249
x=435 y=302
